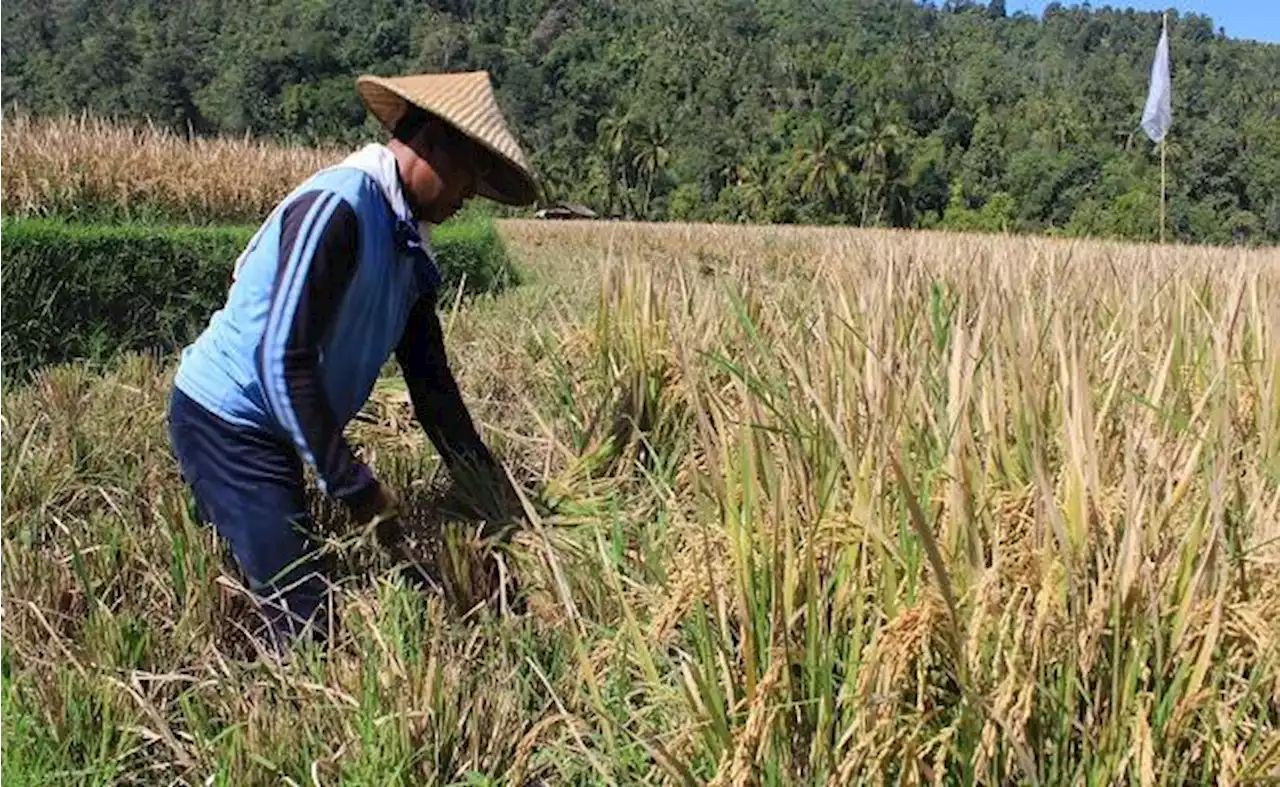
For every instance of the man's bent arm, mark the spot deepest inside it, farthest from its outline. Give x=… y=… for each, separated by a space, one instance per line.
x=437 y=402
x=319 y=247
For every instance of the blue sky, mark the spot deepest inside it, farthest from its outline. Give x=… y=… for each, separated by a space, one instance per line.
x=1256 y=19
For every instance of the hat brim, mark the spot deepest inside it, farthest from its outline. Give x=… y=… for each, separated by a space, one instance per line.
x=508 y=182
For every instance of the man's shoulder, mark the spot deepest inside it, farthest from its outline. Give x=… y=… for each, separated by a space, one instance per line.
x=352 y=184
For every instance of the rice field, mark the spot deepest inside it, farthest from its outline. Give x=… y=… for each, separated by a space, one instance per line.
x=804 y=507
x=86 y=167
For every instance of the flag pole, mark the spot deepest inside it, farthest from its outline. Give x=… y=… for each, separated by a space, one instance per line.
x=1162 y=190
x=1157 y=115
x=1163 y=142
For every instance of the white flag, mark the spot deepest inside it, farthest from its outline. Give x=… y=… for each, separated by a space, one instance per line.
x=1158 y=114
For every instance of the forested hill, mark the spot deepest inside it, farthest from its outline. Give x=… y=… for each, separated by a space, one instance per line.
x=821 y=111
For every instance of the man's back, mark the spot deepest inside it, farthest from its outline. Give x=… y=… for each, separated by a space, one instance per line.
x=229 y=369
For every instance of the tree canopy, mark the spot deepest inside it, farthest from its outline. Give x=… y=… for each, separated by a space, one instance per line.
x=860 y=112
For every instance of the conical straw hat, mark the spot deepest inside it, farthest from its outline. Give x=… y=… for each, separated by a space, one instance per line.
x=465 y=100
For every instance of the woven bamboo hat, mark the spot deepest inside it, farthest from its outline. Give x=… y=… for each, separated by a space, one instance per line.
x=465 y=100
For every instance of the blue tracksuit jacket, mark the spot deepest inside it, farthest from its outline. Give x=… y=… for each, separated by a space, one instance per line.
x=332 y=284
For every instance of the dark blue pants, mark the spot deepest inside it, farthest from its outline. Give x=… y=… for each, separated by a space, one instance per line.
x=249 y=485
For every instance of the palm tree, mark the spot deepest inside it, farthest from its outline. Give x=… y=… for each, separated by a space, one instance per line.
x=823 y=166
x=651 y=159
x=753 y=177
x=878 y=137
x=1062 y=126
x=614 y=135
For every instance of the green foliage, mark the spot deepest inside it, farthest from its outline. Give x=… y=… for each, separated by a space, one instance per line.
x=29 y=755
x=860 y=112
x=91 y=291
x=1134 y=215
x=684 y=203
x=472 y=256
x=997 y=214
x=88 y=291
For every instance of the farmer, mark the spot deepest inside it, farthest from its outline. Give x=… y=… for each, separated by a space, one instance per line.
x=336 y=281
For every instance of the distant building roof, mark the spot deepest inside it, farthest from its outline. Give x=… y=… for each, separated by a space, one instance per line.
x=564 y=210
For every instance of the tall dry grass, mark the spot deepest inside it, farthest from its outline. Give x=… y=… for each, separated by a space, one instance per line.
x=814 y=507
x=88 y=167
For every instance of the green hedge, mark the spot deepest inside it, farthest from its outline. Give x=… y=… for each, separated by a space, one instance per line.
x=87 y=292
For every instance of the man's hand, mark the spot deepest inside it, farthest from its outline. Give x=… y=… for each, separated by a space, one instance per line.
x=380 y=501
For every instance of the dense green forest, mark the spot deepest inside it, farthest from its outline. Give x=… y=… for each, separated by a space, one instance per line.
x=865 y=112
